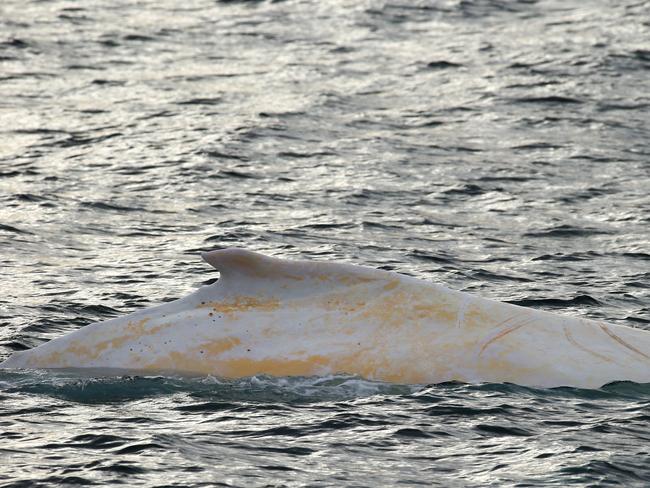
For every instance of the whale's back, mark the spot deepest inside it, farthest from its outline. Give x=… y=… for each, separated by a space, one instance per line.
x=272 y=316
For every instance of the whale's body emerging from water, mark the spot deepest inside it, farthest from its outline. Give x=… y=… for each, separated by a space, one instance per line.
x=285 y=318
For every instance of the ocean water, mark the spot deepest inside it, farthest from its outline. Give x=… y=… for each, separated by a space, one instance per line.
x=497 y=147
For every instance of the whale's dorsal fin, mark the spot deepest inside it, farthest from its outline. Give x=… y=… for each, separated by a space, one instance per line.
x=246 y=267
x=232 y=261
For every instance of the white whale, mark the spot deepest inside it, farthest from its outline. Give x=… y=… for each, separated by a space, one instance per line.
x=271 y=316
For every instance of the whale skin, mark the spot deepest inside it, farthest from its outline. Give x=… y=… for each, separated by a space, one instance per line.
x=301 y=318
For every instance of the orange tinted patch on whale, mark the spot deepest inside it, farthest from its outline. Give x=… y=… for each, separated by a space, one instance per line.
x=61 y=359
x=360 y=363
x=355 y=363
x=367 y=364
x=243 y=304
x=398 y=307
x=200 y=359
x=133 y=331
x=476 y=317
x=79 y=349
x=341 y=278
x=440 y=312
x=240 y=367
x=177 y=361
x=391 y=285
x=270 y=332
x=343 y=303
x=214 y=348
x=400 y=304
x=55 y=358
x=352 y=280
x=389 y=310
x=137 y=327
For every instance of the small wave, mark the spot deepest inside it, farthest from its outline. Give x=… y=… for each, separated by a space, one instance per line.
x=138 y=37
x=566 y=231
x=549 y=100
x=15 y=43
x=557 y=302
x=442 y=64
x=15 y=230
x=210 y=393
x=443 y=392
x=110 y=206
x=201 y=101
x=77 y=387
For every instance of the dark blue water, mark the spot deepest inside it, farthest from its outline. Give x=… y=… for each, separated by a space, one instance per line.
x=497 y=147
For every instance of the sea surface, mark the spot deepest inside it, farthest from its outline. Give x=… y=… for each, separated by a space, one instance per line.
x=497 y=147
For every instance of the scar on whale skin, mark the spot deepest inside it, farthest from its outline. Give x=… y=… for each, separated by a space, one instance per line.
x=622 y=342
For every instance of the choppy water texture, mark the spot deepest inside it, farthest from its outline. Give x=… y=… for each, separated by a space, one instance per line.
x=498 y=147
